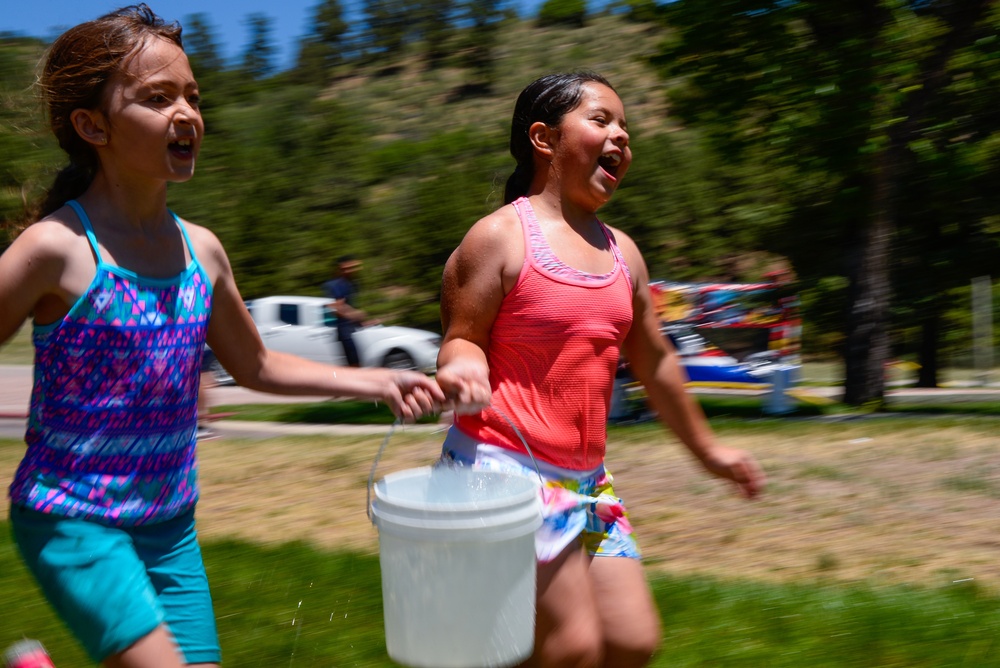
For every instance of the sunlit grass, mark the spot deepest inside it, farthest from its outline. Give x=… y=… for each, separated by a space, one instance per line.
x=275 y=606
x=294 y=605
x=716 y=623
x=861 y=553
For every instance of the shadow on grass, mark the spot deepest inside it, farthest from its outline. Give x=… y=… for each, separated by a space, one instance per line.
x=715 y=407
x=323 y=412
x=367 y=413
x=946 y=408
x=752 y=408
x=731 y=407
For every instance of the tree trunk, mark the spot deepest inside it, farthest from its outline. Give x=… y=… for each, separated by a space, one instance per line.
x=930 y=329
x=867 y=346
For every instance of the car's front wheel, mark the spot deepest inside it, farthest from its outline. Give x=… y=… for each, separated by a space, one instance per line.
x=400 y=360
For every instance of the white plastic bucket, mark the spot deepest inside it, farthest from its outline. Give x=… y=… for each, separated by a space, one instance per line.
x=457 y=552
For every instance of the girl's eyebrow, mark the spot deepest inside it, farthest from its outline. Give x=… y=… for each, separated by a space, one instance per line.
x=167 y=83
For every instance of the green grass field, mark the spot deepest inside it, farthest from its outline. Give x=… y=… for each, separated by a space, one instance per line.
x=874 y=546
x=294 y=605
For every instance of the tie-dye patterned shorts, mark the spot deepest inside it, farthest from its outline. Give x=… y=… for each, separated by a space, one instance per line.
x=575 y=503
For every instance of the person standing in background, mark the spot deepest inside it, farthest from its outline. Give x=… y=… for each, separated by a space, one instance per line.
x=343 y=290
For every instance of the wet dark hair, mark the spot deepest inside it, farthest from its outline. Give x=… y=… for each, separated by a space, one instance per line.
x=546 y=99
x=76 y=72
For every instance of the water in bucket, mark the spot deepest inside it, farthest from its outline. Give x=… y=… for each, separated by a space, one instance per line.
x=457 y=553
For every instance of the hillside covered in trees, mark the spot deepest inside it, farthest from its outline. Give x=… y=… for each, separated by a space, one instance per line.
x=856 y=145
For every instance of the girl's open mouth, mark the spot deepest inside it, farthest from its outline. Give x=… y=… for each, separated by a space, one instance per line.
x=182 y=148
x=610 y=162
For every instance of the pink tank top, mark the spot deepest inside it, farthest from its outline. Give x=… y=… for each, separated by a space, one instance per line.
x=553 y=352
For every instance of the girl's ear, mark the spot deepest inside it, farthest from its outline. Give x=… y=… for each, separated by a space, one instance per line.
x=90 y=125
x=544 y=139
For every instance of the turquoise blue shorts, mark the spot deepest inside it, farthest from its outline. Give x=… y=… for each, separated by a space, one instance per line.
x=114 y=585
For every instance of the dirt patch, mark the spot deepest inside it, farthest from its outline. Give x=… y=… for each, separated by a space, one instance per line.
x=863 y=501
x=843 y=503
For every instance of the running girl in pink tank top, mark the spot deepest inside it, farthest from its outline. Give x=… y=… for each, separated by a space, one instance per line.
x=124 y=295
x=537 y=303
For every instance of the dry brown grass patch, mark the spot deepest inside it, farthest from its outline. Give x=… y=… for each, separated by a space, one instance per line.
x=889 y=501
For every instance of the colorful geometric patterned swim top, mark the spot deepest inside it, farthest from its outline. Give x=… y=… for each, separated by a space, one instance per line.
x=112 y=426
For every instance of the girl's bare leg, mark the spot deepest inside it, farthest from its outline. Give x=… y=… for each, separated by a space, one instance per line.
x=567 y=627
x=156 y=650
x=630 y=622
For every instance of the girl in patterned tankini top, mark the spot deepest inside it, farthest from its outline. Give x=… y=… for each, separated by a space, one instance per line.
x=124 y=295
x=537 y=303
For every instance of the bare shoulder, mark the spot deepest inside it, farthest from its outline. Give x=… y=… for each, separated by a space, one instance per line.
x=47 y=267
x=494 y=229
x=632 y=254
x=201 y=235
x=207 y=248
x=624 y=241
x=52 y=248
x=487 y=263
x=54 y=236
x=494 y=241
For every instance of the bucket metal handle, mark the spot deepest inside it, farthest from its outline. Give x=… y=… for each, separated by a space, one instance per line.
x=371 y=475
x=398 y=421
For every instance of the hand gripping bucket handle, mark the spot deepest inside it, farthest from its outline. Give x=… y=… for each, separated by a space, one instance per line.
x=392 y=429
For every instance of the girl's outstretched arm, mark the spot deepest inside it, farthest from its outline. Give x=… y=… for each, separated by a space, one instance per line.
x=234 y=339
x=654 y=362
